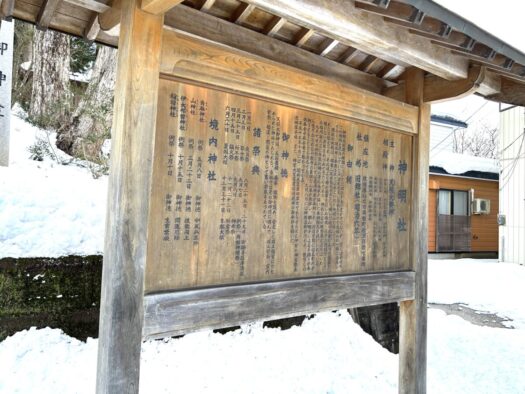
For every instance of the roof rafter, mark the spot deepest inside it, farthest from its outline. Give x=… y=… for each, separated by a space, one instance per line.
x=223 y=32
x=369 y=33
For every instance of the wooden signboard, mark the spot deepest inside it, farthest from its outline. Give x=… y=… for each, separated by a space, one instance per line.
x=245 y=190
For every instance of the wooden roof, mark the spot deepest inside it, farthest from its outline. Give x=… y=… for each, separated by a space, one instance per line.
x=368 y=43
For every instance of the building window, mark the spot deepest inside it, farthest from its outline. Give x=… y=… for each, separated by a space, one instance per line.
x=453 y=202
x=453 y=221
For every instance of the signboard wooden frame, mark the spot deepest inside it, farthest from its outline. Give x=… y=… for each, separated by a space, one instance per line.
x=146 y=52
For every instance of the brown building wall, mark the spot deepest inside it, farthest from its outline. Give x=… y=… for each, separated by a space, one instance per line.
x=484 y=227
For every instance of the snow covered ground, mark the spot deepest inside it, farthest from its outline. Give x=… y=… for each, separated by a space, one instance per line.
x=327 y=354
x=48 y=210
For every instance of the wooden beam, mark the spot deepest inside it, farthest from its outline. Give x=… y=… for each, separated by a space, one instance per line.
x=413 y=314
x=367 y=32
x=511 y=92
x=206 y=5
x=327 y=46
x=234 y=36
x=180 y=312
x=91 y=5
x=438 y=89
x=45 y=15
x=274 y=26
x=158 y=7
x=303 y=36
x=92 y=29
x=110 y=19
x=198 y=61
x=242 y=12
x=133 y=135
x=6 y=9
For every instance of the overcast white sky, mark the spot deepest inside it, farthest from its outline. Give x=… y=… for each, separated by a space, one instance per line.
x=506 y=20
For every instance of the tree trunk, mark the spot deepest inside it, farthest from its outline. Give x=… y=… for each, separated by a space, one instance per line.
x=90 y=124
x=50 y=95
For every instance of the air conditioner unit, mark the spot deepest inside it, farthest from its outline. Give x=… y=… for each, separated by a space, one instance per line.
x=480 y=206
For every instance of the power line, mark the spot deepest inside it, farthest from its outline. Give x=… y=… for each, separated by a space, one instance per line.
x=457 y=128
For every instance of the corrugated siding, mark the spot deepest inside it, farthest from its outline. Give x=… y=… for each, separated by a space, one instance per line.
x=512 y=181
x=484 y=227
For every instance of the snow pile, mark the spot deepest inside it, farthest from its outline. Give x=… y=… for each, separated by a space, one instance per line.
x=464 y=358
x=484 y=285
x=48 y=209
x=456 y=163
x=327 y=354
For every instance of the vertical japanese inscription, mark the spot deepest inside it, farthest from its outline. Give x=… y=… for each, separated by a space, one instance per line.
x=246 y=190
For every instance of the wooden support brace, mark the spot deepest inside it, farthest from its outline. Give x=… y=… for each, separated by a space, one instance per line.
x=92 y=29
x=413 y=314
x=133 y=133
x=47 y=10
x=110 y=18
x=438 y=89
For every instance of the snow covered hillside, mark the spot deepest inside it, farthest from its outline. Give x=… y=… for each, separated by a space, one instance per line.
x=47 y=209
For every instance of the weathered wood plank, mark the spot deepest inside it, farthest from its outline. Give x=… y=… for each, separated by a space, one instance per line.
x=367 y=32
x=47 y=10
x=511 y=92
x=91 y=5
x=135 y=113
x=181 y=312
x=158 y=7
x=184 y=19
x=413 y=314
x=6 y=9
x=182 y=234
x=191 y=59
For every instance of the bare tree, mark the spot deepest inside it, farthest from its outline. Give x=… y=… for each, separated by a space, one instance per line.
x=481 y=141
x=90 y=123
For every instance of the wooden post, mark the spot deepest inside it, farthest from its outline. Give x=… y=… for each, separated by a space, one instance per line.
x=135 y=112
x=413 y=314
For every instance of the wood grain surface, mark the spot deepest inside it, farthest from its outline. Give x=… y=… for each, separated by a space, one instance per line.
x=247 y=190
x=182 y=312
